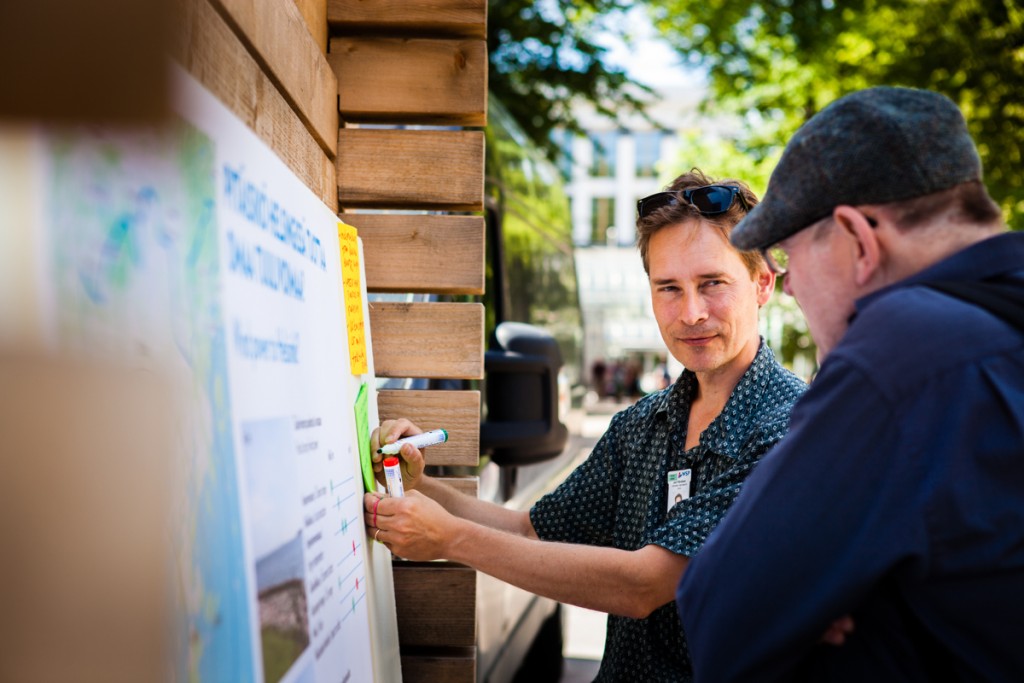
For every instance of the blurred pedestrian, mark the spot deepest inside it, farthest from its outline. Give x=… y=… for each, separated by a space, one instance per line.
x=597 y=374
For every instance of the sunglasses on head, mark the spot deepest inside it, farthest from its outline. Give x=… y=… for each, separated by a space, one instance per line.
x=709 y=200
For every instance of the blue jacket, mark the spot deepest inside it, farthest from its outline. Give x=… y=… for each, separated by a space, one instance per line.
x=897 y=498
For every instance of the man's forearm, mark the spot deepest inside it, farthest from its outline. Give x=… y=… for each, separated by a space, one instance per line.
x=476 y=510
x=627 y=583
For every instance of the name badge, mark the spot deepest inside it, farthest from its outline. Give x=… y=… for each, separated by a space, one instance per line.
x=678 y=486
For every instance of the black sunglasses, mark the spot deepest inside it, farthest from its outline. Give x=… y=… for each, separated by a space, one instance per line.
x=709 y=200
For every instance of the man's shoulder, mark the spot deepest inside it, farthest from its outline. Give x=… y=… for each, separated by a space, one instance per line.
x=786 y=381
x=757 y=415
x=915 y=330
x=780 y=391
x=920 y=317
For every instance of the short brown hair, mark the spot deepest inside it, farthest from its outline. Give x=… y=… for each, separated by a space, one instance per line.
x=968 y=204
x=681 y=212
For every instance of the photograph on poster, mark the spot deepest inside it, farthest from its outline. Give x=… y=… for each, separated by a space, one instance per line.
x=275 y=532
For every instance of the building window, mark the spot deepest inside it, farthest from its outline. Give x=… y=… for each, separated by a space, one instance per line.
x=604 y=154
x=603 y=219
x=648 y=151
x=563 y=139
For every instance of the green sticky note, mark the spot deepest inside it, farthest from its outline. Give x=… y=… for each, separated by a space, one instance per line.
x=362 y=408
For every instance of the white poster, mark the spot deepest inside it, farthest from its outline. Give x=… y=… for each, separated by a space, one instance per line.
x=196 y=251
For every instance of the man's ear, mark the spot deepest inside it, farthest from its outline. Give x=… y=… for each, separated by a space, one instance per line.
x=765 y=281
x=863 y=240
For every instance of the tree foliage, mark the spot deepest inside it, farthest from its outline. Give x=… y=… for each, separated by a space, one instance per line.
x=777 y=62
x=719 y=156
x=545 y=56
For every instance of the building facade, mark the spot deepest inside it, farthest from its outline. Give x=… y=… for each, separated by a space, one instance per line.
x=607 y=170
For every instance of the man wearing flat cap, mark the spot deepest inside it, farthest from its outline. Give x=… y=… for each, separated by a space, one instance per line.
x=897 y=498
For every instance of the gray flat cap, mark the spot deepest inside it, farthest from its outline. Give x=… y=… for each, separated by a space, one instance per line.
x=870 y=147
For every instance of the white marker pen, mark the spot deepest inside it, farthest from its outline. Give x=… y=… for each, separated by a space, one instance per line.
x=393 y=476
x=423 y=440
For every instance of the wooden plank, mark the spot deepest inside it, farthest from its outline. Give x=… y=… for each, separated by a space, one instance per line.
x=466 y=18
x=100 y=61
x=402 y=80
x=456 y=411
x=207 y=48
x=440 y=668
x=467 y=486
x=435 y=604
x=438 y=254
x=438 y=340
x=412 y=169
x=314 y=12
x=277 y=36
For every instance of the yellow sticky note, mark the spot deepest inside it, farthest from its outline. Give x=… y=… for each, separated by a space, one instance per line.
x=352 y=285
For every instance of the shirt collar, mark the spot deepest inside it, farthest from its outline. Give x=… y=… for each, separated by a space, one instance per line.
x=723 y=435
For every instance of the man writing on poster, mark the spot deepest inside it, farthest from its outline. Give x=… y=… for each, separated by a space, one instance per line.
x=613 y=537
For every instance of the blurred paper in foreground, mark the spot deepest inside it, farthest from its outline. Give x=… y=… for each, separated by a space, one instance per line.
x=84 y=581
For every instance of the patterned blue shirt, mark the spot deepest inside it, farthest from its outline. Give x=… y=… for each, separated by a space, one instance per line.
x=619 y=496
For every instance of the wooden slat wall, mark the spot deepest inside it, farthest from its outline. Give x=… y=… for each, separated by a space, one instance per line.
x=211 y=50
x=314 y=12
x=411 y=169
x=456 y=411
x=277 y=36
x=446 y=667
x=303 y=76
x=459 y=18
x=436 y=603
x=437 y=254
x=411 y=80
x=423 y=62
x=439 y=340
